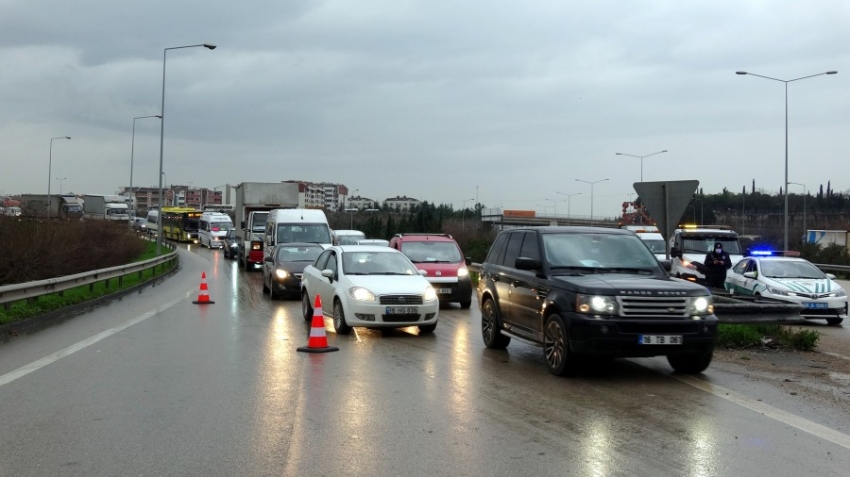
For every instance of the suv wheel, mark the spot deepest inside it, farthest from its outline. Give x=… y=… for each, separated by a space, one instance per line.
x=556 y=347
x=493 y=338
x=691 y=363
x=834 y=321
x=306 y=307
x=340 y=325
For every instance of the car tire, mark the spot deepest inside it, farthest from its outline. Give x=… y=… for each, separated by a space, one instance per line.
x=493 y=338
x=691 y=363
x=306 y=307
x=556 y=347
x=340 y=326
x=272 y=295
x=265 y=287
x=834 y=321
x=248 y=266
x=466 y=304
x=427 y=329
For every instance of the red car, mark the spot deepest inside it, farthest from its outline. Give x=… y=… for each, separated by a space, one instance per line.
x=441 y=258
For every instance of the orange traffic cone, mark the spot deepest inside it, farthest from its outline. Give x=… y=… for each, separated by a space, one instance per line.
x=203 y=298
x=318 y=342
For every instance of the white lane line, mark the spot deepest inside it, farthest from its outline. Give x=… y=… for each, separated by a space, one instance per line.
x=52 y=358
x=804 y=425
x=835 y=355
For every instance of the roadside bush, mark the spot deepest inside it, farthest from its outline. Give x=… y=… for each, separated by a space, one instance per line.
x=780 y=336
x=37 y=250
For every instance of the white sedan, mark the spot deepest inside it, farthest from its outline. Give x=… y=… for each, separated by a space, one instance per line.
x=371 y=286
x=793 y=280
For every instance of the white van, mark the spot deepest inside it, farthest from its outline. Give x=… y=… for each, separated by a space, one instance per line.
x=348 y=237
x=296 y=225
x=212 y=228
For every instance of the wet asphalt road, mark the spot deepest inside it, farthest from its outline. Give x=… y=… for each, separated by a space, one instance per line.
x=155 y=385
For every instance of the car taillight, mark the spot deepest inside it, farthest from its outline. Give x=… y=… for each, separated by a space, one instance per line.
x=256 y=245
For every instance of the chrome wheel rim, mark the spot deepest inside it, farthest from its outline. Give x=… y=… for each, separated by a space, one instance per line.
x=554 y=344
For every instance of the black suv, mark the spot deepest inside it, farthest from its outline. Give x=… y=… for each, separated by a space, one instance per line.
x=590 y=291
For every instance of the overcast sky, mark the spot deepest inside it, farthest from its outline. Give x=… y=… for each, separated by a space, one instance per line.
x=444 y=101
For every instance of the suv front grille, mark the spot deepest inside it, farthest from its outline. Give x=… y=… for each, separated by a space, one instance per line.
x=649 y=307
x=401 y=299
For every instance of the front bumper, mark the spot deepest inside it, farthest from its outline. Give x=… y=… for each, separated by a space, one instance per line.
x=289 y=285
x=453 y=289
x=832 y=306
x=358 y=313
x=620 y=337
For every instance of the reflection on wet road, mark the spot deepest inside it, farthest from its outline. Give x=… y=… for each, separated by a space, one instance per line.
x=220 y=390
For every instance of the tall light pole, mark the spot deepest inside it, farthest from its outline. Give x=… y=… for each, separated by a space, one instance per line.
x=785 y=189
x=352 y=210
x=568 y=203
x=132 y=148
x=555 y=201
x=60 y=179
x=463 y=212
x=591 y=195
x=49 y=172
x=805 y=196
x=641 y=159
x=162 y=136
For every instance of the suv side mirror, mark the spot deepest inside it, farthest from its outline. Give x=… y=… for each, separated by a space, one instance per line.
x=525 y=263
x=666 y=265
x=468 y=261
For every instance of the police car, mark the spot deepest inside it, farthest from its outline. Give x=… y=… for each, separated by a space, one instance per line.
x=790 y=279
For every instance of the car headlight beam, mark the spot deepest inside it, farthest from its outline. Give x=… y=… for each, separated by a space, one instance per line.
x=361 y=294
x=281 y=273
x=462 y=272
x=596 y=304
x=429 y=294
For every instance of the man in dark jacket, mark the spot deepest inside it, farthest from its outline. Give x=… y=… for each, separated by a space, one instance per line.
x=716 y=263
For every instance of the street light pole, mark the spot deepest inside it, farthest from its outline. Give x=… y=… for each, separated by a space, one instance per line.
x=352 y=210
x=60 y=179
x=568 y=203
x=785 y=189
x=591 y=195
x=162 y=136
x=132 y=148
x=805 y=196
x=555 y=201
x=641 y=159
x=463 y=212
x=49 y=172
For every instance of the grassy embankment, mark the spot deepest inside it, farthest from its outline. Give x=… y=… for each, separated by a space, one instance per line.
x=37 y=252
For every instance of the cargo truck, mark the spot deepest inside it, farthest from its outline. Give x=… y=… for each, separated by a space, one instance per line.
x=254 y=200
x=58 y=207
x=105 y=207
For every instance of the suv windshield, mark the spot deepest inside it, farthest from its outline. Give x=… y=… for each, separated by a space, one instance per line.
x=597 y=251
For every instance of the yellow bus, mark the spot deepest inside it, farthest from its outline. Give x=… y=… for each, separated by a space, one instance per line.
x=180 y=223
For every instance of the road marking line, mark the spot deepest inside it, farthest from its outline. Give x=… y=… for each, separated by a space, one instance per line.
x=834 y=355
x=800 y=423
x=52 y=358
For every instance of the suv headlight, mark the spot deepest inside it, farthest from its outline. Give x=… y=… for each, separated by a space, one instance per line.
x=361 y=294
x=700 y=305
x=596 y=304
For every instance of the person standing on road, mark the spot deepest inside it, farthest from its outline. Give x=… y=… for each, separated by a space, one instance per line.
x=716 y=263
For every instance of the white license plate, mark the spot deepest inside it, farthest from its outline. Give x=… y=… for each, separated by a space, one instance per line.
x=401 y=310
x=660 y=339
x=444 y=291
x=815 y=305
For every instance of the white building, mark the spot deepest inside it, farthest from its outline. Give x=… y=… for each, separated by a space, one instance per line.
x=401 y=203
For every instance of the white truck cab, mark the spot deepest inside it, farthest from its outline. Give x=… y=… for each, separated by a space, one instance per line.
x=690 y=245
x=296 y=225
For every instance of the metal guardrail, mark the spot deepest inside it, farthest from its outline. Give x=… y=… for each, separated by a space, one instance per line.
x=30 y=290
x=832 y=268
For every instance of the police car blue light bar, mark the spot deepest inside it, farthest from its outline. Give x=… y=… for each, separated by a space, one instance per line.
x=761 y=253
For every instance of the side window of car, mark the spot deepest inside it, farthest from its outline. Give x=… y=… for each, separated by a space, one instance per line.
x=740 y=267
x=512 y=250
x=751 y=267
x=530 y=248
x=497 y=250
x=332 y=264
x=322 y=260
